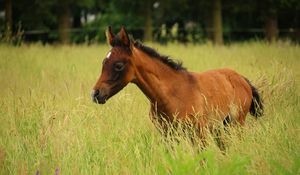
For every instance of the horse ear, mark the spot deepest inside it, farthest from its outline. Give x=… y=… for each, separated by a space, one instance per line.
x=124 y=37
x=109 y=35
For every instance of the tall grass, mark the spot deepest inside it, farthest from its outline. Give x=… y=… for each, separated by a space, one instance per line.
x=49 y=123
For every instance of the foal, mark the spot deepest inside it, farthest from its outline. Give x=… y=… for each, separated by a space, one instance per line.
x=175 y=93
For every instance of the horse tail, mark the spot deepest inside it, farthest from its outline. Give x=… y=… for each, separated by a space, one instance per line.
x=257 y=107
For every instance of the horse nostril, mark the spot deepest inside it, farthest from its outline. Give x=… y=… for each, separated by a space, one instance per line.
x=99 y=95
x=95 y=93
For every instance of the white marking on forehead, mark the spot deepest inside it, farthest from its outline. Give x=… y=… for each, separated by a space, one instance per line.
x=108 y=55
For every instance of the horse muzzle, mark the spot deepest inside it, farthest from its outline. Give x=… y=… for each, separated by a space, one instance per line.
x=100 y=96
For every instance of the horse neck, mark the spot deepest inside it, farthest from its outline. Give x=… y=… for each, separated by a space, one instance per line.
x=154 y=78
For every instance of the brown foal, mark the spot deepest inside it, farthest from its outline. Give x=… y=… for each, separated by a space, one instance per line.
x=175 y=93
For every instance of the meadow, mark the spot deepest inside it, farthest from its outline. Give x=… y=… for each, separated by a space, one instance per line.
x=50 y=125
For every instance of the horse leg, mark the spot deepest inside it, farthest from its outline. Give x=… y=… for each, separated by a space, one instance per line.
x=202 y=132
x=220 y=139
x=241 y=118
x=220 y=136
x=227 y=121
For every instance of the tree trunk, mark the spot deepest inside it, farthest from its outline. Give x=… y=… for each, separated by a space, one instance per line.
x=271 y=28
x=148 y=21
x=208 y=26
x=77 y=19
x=64 y=23
x=217 y=22
x=8 y=15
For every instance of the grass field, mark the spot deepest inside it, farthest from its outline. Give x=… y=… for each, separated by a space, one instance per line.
x=49 y=123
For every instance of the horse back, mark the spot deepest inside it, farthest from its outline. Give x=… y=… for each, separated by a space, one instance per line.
x=225 y=92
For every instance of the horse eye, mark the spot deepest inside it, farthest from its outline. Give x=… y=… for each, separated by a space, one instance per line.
x=119 y=66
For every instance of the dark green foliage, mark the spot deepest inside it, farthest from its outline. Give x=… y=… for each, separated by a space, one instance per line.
x=242 y=19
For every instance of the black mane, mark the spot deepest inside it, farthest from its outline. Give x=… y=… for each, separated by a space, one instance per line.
x=174 y=64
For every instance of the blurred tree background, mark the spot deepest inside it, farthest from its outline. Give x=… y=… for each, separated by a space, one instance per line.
x=196 y=21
